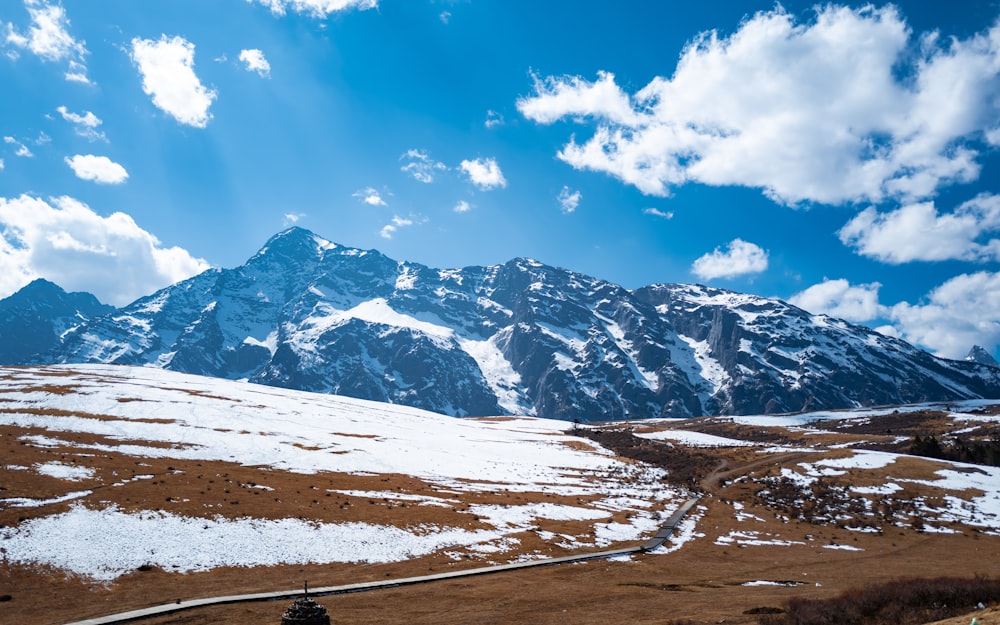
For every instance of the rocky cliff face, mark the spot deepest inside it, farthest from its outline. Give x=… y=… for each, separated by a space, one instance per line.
x=517 y=338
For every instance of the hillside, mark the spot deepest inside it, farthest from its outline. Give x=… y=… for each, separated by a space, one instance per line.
x=521 y=338
x=126 y=487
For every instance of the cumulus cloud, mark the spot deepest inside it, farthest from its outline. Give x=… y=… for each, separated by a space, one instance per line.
x=84 y=125
x=462 y=207
x=370 y=196
x=838 y=298
x=254 y=61
x=655 y=212
x=421 y=166
x=484 y=173
x=66 y=242
x=1 y=164
x=848 y=107
x=100 y=169
x=316 y=8
x=20 y=149
x=48 y=38
x=569 y=200
x=962 y=312
x=948 y=321
x=167 y=69
x=740 y=258
x=920 y=232
x=391 y=228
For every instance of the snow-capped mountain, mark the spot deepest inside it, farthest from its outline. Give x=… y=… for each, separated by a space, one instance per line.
x=983 y=357
x=517 y=338
x=33 y=320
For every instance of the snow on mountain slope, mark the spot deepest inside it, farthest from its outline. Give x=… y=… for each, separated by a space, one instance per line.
x=146 y=414
x=517 y=338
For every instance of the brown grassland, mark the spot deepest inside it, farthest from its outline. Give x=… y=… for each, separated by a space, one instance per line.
x=707 y=580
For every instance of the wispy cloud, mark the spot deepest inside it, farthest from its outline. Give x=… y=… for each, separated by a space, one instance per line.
x=167 y=69
x=462 y=207
x=290 y=219
x=255 y=61
x=484 y=173
x=740 y=258
x=847 y=108
x=655 y=212
x=493 y=119
x=390 y=229
x=49 y=38
x=316 y=8
x=370 y=196
x=421 y=166
x=569 y=200
x=85 y=125
x=65 y=241
x=20 y=149
x=100 y=169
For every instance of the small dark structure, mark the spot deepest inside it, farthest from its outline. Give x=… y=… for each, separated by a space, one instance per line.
x=305 y=611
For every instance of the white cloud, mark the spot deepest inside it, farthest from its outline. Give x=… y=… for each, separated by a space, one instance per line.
x=85 y=125
x=255 y=61
x=167 y=68
x=316 y=8
x=655 y=212
x=484 y=173
x=849 y=107
x=1 y=164
x=397 y=222
x=100 y=169
x=919 y=232
x=569 y=200
x=493 y=119
x=445 y=16
x=370 y=196
x=462 y=207
x=66 y=242
x=962 y=312
x=740 y=258
x=838 y=298
x=290 y=219
x=48 y=38
x=421 y=166
x=21 y=149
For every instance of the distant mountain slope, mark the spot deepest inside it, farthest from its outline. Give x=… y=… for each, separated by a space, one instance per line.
x=516 y=338
x=33 y=320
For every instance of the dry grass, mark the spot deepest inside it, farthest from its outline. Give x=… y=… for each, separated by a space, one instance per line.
x=703 y=582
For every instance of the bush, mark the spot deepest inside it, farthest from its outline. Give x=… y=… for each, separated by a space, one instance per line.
x=900 y=602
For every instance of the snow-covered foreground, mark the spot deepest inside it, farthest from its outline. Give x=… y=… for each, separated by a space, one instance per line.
x=152 y=413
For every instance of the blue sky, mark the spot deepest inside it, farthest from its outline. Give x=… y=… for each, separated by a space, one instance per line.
x=843 y=157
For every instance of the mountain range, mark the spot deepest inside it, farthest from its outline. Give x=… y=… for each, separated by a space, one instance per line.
x=517 y=338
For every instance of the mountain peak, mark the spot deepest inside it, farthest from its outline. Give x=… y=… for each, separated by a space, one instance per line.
x=295 y=243
x=980 y=355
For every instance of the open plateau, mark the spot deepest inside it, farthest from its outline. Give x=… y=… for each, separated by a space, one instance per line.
x=127 y=487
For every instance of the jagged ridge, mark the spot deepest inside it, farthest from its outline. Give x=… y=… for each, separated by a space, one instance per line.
x=520 y=337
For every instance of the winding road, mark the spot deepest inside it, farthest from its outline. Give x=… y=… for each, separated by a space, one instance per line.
x=655 y=542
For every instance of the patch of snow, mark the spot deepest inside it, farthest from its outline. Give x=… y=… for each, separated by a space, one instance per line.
x=842 y=547
x=118 y=542
x=65 y=471
x=695 y=439
x=711 y=370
